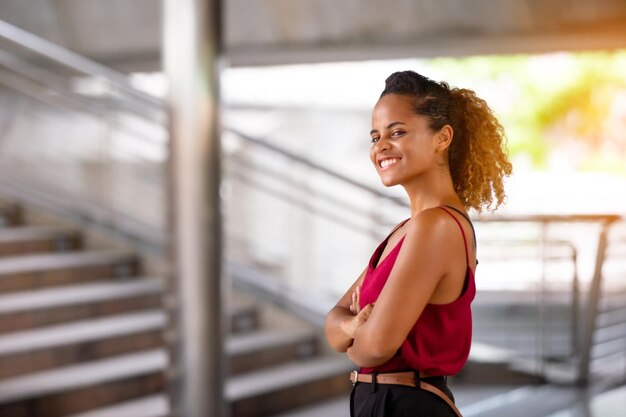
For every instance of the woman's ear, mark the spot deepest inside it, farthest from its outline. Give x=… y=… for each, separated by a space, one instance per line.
x=444 y=137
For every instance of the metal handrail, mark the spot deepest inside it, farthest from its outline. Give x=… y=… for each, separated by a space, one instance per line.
x=54 y=82
x=65 y=98
x=317 y=167
x=19 y=74
x=29 y=87
x=61 y=98
x=77 y=62
x=241 y=162
x=288 y=198
x=87 y=66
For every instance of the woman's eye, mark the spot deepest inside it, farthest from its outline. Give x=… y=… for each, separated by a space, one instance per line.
x=375 y=139
x=397 y=133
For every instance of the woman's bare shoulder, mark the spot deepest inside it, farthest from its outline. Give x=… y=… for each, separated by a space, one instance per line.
x=434 y=220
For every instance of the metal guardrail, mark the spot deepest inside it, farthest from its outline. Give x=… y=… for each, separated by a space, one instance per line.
x=317 y=167
x=46 y=73
x=62 y=56
x=583 y=332
x=26 y=78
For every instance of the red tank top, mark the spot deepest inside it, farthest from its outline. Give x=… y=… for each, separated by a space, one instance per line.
x=439 y=342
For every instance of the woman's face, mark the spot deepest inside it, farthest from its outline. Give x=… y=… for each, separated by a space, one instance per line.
x=403 y=146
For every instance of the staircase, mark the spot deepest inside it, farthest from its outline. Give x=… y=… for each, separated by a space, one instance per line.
x=81 y=335
x=280 y=364
x=80 y=328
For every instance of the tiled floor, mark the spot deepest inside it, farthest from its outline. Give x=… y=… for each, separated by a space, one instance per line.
x=611 y=403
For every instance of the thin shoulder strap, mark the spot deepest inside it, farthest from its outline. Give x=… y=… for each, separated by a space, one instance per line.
x=396 y=228
x=466 y=218
x=462 y=232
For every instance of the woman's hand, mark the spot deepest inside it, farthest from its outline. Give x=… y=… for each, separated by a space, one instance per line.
x=355 y=307
x=360 y=316
x=349 y=326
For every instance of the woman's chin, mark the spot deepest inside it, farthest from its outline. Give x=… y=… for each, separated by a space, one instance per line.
x=388 y=181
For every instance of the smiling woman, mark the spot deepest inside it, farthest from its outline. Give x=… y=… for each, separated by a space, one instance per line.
x=446 y=149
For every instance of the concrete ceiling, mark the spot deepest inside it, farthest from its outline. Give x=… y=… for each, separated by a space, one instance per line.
x=127 y=33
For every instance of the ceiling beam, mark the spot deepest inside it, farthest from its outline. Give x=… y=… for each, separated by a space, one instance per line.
x=450 y=45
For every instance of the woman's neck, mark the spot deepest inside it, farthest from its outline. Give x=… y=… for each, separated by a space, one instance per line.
x=432 y=192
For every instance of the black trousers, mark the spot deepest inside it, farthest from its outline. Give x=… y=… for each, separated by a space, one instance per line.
x=391 y=400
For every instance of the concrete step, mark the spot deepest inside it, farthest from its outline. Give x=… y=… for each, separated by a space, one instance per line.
x=47 y=306
x=66 y=344
x=21 y=273
x=35 y=239
x=151 y=406
x=84 y=387
x=10 y=213
x=265 y=348
x=244 y=318
x=564 y=371
x=265 y=383
x=280 y=388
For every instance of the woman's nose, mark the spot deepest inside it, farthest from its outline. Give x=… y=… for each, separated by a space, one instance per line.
x=382 y=145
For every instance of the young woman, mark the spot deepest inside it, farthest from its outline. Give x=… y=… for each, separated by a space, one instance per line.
x=406 y=321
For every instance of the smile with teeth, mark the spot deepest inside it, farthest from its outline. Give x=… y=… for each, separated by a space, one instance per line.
x=387 y=162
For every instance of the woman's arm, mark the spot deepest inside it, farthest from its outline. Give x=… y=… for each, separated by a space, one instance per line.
x=421 y=264
x=343 y=319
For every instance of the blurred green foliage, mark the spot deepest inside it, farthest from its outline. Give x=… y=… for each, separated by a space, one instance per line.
x=551 y=101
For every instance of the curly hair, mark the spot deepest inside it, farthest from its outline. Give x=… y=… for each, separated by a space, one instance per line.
x=477 y=156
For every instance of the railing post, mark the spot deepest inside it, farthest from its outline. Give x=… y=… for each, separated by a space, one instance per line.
x=575 y=326
x=544 y=296
x=191 y=48
x=591 y=311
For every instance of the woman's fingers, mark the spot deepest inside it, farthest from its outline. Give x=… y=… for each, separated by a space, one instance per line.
x=355 y=307
x=364 y=315
x=350 y=325
x=355 y=302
